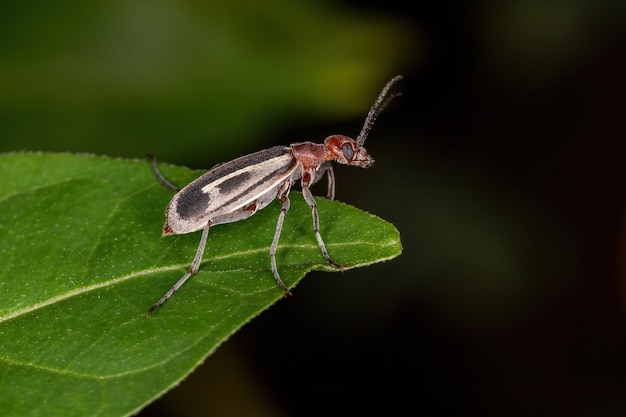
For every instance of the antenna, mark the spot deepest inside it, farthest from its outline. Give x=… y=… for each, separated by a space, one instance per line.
x=380 y=103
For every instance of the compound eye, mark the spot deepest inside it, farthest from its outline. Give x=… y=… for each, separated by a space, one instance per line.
x=348 y=153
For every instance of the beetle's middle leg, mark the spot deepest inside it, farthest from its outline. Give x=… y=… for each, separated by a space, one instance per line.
x=283 y=196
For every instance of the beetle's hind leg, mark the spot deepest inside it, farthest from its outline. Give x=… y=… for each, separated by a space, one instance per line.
x=160 y=176
x=193 y=269
x=237 y=215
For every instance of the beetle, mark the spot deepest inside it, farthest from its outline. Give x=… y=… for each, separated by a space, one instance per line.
x=237 y=189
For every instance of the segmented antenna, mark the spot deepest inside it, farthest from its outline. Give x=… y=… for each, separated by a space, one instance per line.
x=380 y=103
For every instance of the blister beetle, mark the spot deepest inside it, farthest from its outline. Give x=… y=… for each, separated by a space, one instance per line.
x=237 y=189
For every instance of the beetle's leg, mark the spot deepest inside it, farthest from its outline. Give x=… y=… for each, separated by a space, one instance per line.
x=327 y=168
x=283 y=196
x=308 y=196
x=195 y=265
x=331 y=182
x=160 y=176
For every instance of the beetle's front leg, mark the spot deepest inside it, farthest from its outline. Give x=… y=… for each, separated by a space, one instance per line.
x=327 y=168
x=308 y=197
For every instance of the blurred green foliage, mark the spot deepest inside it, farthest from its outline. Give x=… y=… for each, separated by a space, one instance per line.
x=183 y=78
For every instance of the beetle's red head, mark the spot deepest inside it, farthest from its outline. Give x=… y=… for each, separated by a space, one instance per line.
x=346 y=151
x=351 y=152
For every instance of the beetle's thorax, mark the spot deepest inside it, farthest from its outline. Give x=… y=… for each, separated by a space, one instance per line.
x=310 y=155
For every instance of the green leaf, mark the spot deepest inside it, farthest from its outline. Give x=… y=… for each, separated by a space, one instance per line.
x=82 y=260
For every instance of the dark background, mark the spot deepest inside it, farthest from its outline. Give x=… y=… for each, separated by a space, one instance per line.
x=501 y=165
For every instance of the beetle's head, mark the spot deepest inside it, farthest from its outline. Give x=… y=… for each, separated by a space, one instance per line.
x=345 y=150
x=351 y=152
